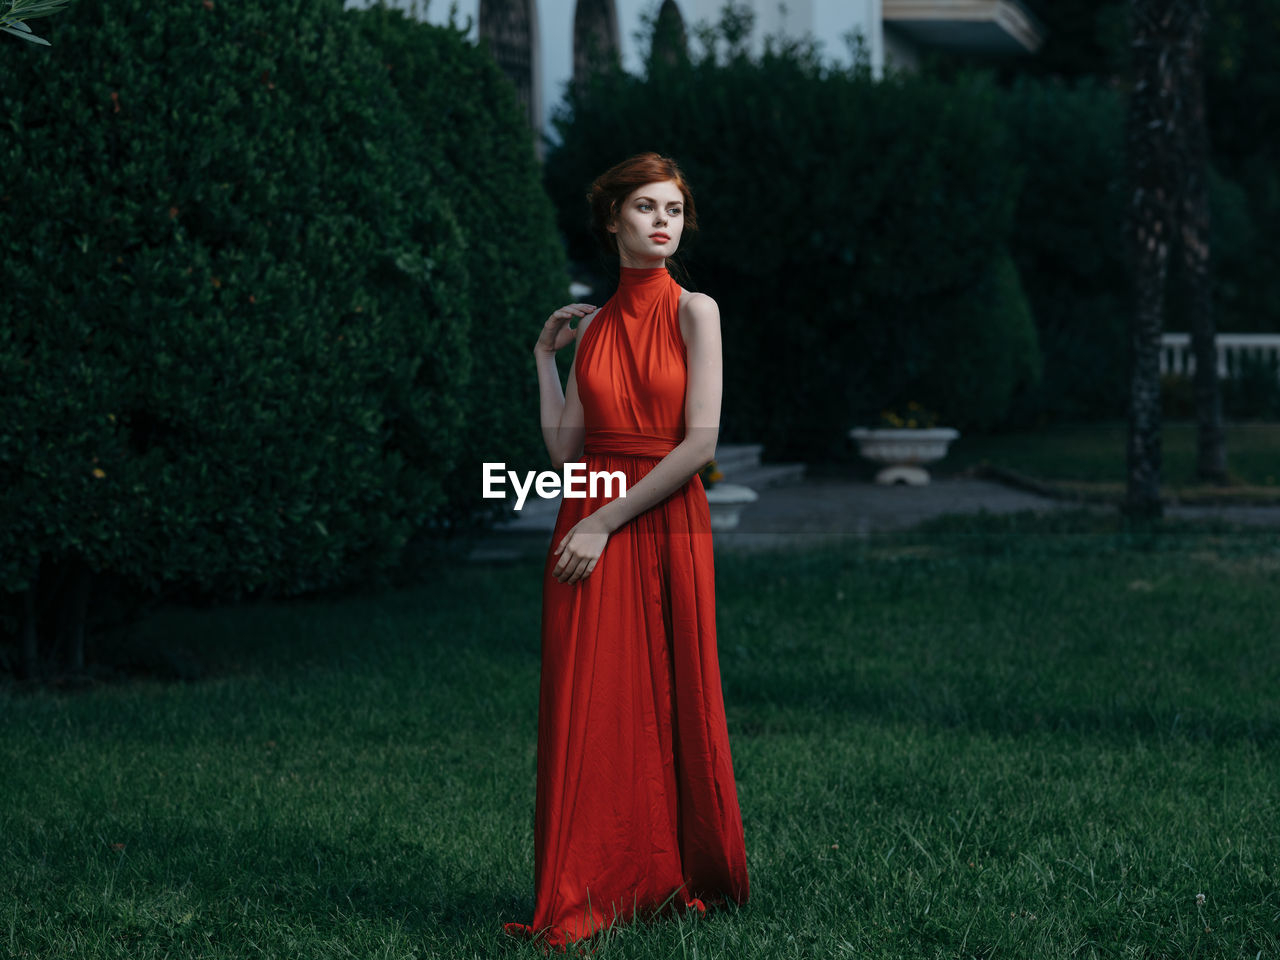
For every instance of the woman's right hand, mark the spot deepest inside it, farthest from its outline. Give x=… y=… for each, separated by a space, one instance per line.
x=556 y=332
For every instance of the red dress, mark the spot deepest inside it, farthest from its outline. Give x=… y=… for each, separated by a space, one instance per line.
x=637 y=810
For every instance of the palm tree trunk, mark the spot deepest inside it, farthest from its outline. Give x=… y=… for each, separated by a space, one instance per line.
x=1151 y=136
x=1197 y=285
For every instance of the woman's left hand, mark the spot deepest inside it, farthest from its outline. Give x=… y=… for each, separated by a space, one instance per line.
x=580 y=549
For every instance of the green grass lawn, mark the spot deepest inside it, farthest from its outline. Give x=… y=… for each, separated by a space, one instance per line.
x=1089 y=459
x=987 y=738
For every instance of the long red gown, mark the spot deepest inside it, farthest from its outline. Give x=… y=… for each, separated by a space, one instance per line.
x=637 y=810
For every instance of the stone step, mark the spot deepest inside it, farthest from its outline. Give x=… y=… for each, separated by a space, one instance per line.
x=740 y=463
x=765 y=475
x=737 y=456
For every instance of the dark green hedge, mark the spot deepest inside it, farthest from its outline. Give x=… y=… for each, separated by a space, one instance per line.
x=856 y=235
x=1068 y=245
x=482 y=160
x=853 y=233
x=245 y=266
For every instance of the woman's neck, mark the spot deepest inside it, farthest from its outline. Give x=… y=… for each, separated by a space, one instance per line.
x=642 y=263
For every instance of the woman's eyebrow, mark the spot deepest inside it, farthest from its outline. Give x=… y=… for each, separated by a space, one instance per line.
x=670 y=203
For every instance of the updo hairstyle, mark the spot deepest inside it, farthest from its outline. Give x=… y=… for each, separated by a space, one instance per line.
x=610 y=190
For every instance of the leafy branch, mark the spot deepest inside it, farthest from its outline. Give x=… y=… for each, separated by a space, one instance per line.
x=19 y=10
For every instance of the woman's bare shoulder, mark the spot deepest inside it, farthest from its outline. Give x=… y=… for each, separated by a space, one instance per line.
x=581 y=328
x=695 y=307
x=696 y=301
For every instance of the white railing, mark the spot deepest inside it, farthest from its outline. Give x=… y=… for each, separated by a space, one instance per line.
x=1176 y=356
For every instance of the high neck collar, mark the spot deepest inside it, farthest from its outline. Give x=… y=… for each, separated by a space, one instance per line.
x=630 y=277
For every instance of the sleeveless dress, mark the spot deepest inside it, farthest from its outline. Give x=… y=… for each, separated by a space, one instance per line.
x=637 y=811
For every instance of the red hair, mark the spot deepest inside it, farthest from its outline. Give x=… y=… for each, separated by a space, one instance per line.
x=611 y=189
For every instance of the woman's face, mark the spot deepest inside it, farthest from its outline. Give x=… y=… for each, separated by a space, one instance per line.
x=649 y=224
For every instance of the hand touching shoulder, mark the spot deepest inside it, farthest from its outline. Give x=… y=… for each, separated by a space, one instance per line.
x=581 y=328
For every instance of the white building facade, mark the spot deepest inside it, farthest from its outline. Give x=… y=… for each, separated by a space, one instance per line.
x=540 y=43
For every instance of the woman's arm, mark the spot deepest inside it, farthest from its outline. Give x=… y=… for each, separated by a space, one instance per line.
x=563 y=424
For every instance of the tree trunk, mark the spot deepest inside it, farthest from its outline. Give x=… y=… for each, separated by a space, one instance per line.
x=1196 y=284
x=30 y=635
x=74 y=612
x=1158 y=30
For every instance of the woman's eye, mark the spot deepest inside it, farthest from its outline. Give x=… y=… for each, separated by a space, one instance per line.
x=644 y=206
x=674 y=211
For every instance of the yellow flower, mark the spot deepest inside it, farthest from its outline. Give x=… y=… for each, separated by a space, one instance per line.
x=914 y=416
x=99 y=472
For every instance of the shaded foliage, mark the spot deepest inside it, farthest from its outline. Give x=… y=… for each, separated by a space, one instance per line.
x=240 y=273
x=480 y=157
x=1087 y=43
x=852 y=231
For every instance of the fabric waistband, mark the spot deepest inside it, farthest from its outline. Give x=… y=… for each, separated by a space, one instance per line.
x=628 y=444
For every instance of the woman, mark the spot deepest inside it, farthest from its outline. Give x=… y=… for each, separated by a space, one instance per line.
x=637 y=810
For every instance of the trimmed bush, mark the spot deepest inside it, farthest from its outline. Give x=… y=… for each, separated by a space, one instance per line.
x=984 y=345
x=481 y=157
x=851 y=232
x=1068 y=245
x=238 y=295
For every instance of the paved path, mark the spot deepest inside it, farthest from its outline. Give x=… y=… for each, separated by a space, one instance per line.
x=833 y=508
x=821 y=509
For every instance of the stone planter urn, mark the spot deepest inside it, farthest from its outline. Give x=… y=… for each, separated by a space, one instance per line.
x=903 y=451
x=725 y=501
